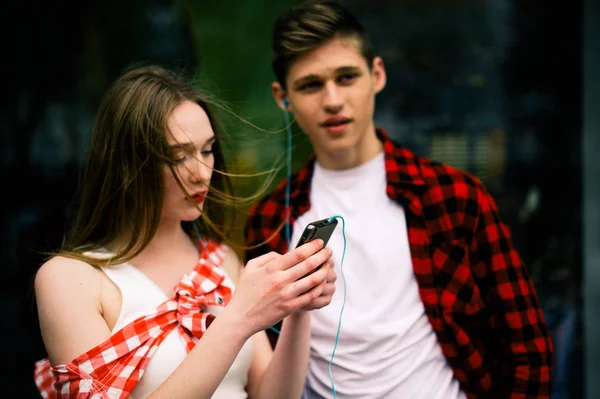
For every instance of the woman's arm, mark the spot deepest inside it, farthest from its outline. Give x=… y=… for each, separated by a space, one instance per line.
x=71 y=318
x=282 y=373
x=71 y=321
x=69 y=309
x=282 y=290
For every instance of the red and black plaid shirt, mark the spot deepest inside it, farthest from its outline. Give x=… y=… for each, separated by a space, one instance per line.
x=477 y=293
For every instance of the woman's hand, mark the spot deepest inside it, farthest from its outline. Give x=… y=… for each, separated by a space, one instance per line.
x=328 y=288
x=273 y=286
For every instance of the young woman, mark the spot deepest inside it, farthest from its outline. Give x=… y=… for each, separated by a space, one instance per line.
x=125 y=307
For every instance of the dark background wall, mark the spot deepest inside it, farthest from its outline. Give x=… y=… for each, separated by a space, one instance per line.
x=492 y=87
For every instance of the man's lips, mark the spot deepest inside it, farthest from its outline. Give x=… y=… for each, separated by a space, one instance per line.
x=336 y=121
x=336 y=125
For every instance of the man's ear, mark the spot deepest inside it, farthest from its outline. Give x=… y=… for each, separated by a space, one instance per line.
x=279 y=95
x=379 y=75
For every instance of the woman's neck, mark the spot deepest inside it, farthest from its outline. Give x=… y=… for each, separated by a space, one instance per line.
x=168 y=238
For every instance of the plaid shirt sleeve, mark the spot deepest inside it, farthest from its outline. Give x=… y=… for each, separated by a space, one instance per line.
x=264 y=231
x=265 y=226
x=526 y=339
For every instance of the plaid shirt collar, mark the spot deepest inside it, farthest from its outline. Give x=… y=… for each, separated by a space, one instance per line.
x=403 y=175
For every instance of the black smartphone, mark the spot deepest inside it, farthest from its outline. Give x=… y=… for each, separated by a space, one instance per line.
x=318 y=229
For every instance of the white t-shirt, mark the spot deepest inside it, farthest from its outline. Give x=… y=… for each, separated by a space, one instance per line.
x=387 y=347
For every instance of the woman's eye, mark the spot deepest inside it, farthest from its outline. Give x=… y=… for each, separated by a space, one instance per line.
x=180 y=159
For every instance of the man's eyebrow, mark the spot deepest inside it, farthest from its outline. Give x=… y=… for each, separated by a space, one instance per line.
x=347 y=68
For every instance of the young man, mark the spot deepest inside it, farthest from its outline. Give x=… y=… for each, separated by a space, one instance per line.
x=439 y=304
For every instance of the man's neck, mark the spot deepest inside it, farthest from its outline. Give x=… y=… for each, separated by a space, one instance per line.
x=365 y=149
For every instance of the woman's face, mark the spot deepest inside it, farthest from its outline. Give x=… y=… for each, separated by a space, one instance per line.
x=191 y=139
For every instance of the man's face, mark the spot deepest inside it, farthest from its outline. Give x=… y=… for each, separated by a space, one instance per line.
x=331 y=92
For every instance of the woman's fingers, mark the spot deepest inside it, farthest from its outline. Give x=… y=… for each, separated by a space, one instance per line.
x=274 y=285
x=307 y=298
x=309 y=265
x=297 y=256
x=260 y=261
x=310 y=281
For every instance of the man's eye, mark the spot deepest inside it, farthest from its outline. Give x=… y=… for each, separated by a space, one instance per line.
x=347 y=78
x=311 y=86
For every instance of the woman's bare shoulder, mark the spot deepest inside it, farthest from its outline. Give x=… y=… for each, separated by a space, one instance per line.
x=61 y=272
x=68 y=303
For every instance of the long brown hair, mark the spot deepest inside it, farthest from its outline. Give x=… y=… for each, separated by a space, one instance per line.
x=121 y=194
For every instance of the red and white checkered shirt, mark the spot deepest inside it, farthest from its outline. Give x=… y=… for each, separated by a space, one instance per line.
x=112 y=369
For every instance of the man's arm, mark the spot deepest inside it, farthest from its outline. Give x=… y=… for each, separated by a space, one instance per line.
x=528 y=346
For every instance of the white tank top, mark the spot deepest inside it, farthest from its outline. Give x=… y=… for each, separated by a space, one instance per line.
x=141 y=296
